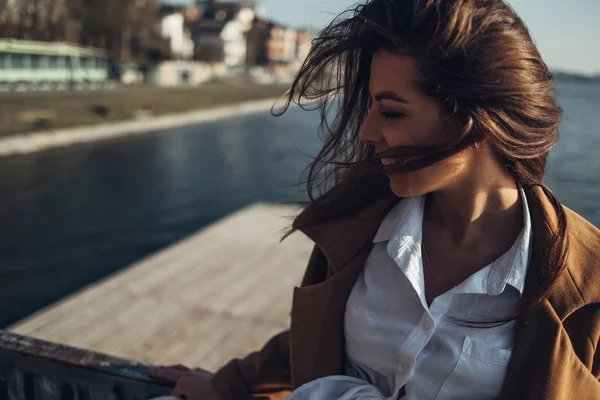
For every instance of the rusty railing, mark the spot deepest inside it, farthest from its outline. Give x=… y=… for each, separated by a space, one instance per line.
x=32 y=369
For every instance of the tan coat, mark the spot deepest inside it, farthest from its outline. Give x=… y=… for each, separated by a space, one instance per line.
x=555 y=352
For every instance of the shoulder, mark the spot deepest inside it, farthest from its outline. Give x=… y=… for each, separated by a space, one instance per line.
x=584 y=256
x=584 y=230
x=576 y=296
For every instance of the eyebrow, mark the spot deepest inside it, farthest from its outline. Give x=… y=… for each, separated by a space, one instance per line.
x=389 y=95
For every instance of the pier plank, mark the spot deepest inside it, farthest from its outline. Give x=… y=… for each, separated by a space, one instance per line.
x=218 y=294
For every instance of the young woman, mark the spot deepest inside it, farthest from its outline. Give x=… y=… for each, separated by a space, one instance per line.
x=443 y=267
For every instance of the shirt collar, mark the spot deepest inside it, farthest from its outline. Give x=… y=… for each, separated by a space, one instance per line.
x=406 y=215
x=406 y=220
x=511 y=267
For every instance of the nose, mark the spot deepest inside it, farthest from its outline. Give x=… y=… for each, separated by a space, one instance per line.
x=370 y=134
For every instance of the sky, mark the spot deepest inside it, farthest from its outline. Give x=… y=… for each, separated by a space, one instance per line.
x=567 y=32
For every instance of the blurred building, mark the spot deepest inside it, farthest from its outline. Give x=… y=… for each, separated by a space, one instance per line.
x=174 y=28
x=172 y=73
x=271 y=44
x=219 y=32
x=150 y=42
x=282 y=44
x=199 y=42
x=257 y=42
x=305 y=38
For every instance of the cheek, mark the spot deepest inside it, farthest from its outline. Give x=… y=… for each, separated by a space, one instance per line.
x=413 y=132
x=402 y=133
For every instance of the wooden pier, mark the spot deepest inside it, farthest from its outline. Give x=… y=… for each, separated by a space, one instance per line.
x=216 y=295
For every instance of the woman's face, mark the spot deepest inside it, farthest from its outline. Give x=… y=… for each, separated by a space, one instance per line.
x=402 y=115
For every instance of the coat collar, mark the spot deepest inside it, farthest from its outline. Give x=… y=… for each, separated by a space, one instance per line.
x=342 y=239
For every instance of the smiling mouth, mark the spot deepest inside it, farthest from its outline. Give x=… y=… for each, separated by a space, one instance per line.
x=391 y=161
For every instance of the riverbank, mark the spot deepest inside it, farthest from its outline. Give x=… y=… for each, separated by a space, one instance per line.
x=30 y=123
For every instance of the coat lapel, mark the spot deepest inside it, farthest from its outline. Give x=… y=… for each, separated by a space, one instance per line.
x=535 y=363
x=316 y=348
x=316 y=342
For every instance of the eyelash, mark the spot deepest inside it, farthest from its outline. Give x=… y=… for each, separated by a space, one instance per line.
x=385 y=114
x=391 y=115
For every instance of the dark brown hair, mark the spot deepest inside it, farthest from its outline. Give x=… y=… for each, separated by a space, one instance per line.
x=476 y=57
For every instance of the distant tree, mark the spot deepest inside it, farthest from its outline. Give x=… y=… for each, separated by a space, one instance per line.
x=48 y=19
x=114 y=24
x=4 y=18
x=10 y=17
x=33 y=19
x=3 y=6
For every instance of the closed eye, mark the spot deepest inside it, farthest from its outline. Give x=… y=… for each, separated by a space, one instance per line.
x=390 y=114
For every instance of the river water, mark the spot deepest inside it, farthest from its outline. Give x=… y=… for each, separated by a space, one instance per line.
x=74 y=215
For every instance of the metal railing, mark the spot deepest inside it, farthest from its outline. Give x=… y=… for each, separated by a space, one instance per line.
x=32 y=369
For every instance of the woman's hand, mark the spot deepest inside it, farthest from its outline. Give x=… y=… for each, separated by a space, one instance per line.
x=191 y=384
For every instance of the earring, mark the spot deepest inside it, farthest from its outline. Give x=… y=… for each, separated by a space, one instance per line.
x=476 y=144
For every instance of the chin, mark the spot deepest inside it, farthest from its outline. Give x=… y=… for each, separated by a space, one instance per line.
x=403 y=187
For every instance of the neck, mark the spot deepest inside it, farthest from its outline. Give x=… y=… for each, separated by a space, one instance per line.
x=477 y=205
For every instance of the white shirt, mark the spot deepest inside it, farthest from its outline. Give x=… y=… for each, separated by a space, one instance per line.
x=457 y=348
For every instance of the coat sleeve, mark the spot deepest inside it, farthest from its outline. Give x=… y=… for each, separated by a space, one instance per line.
x=266 y=374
